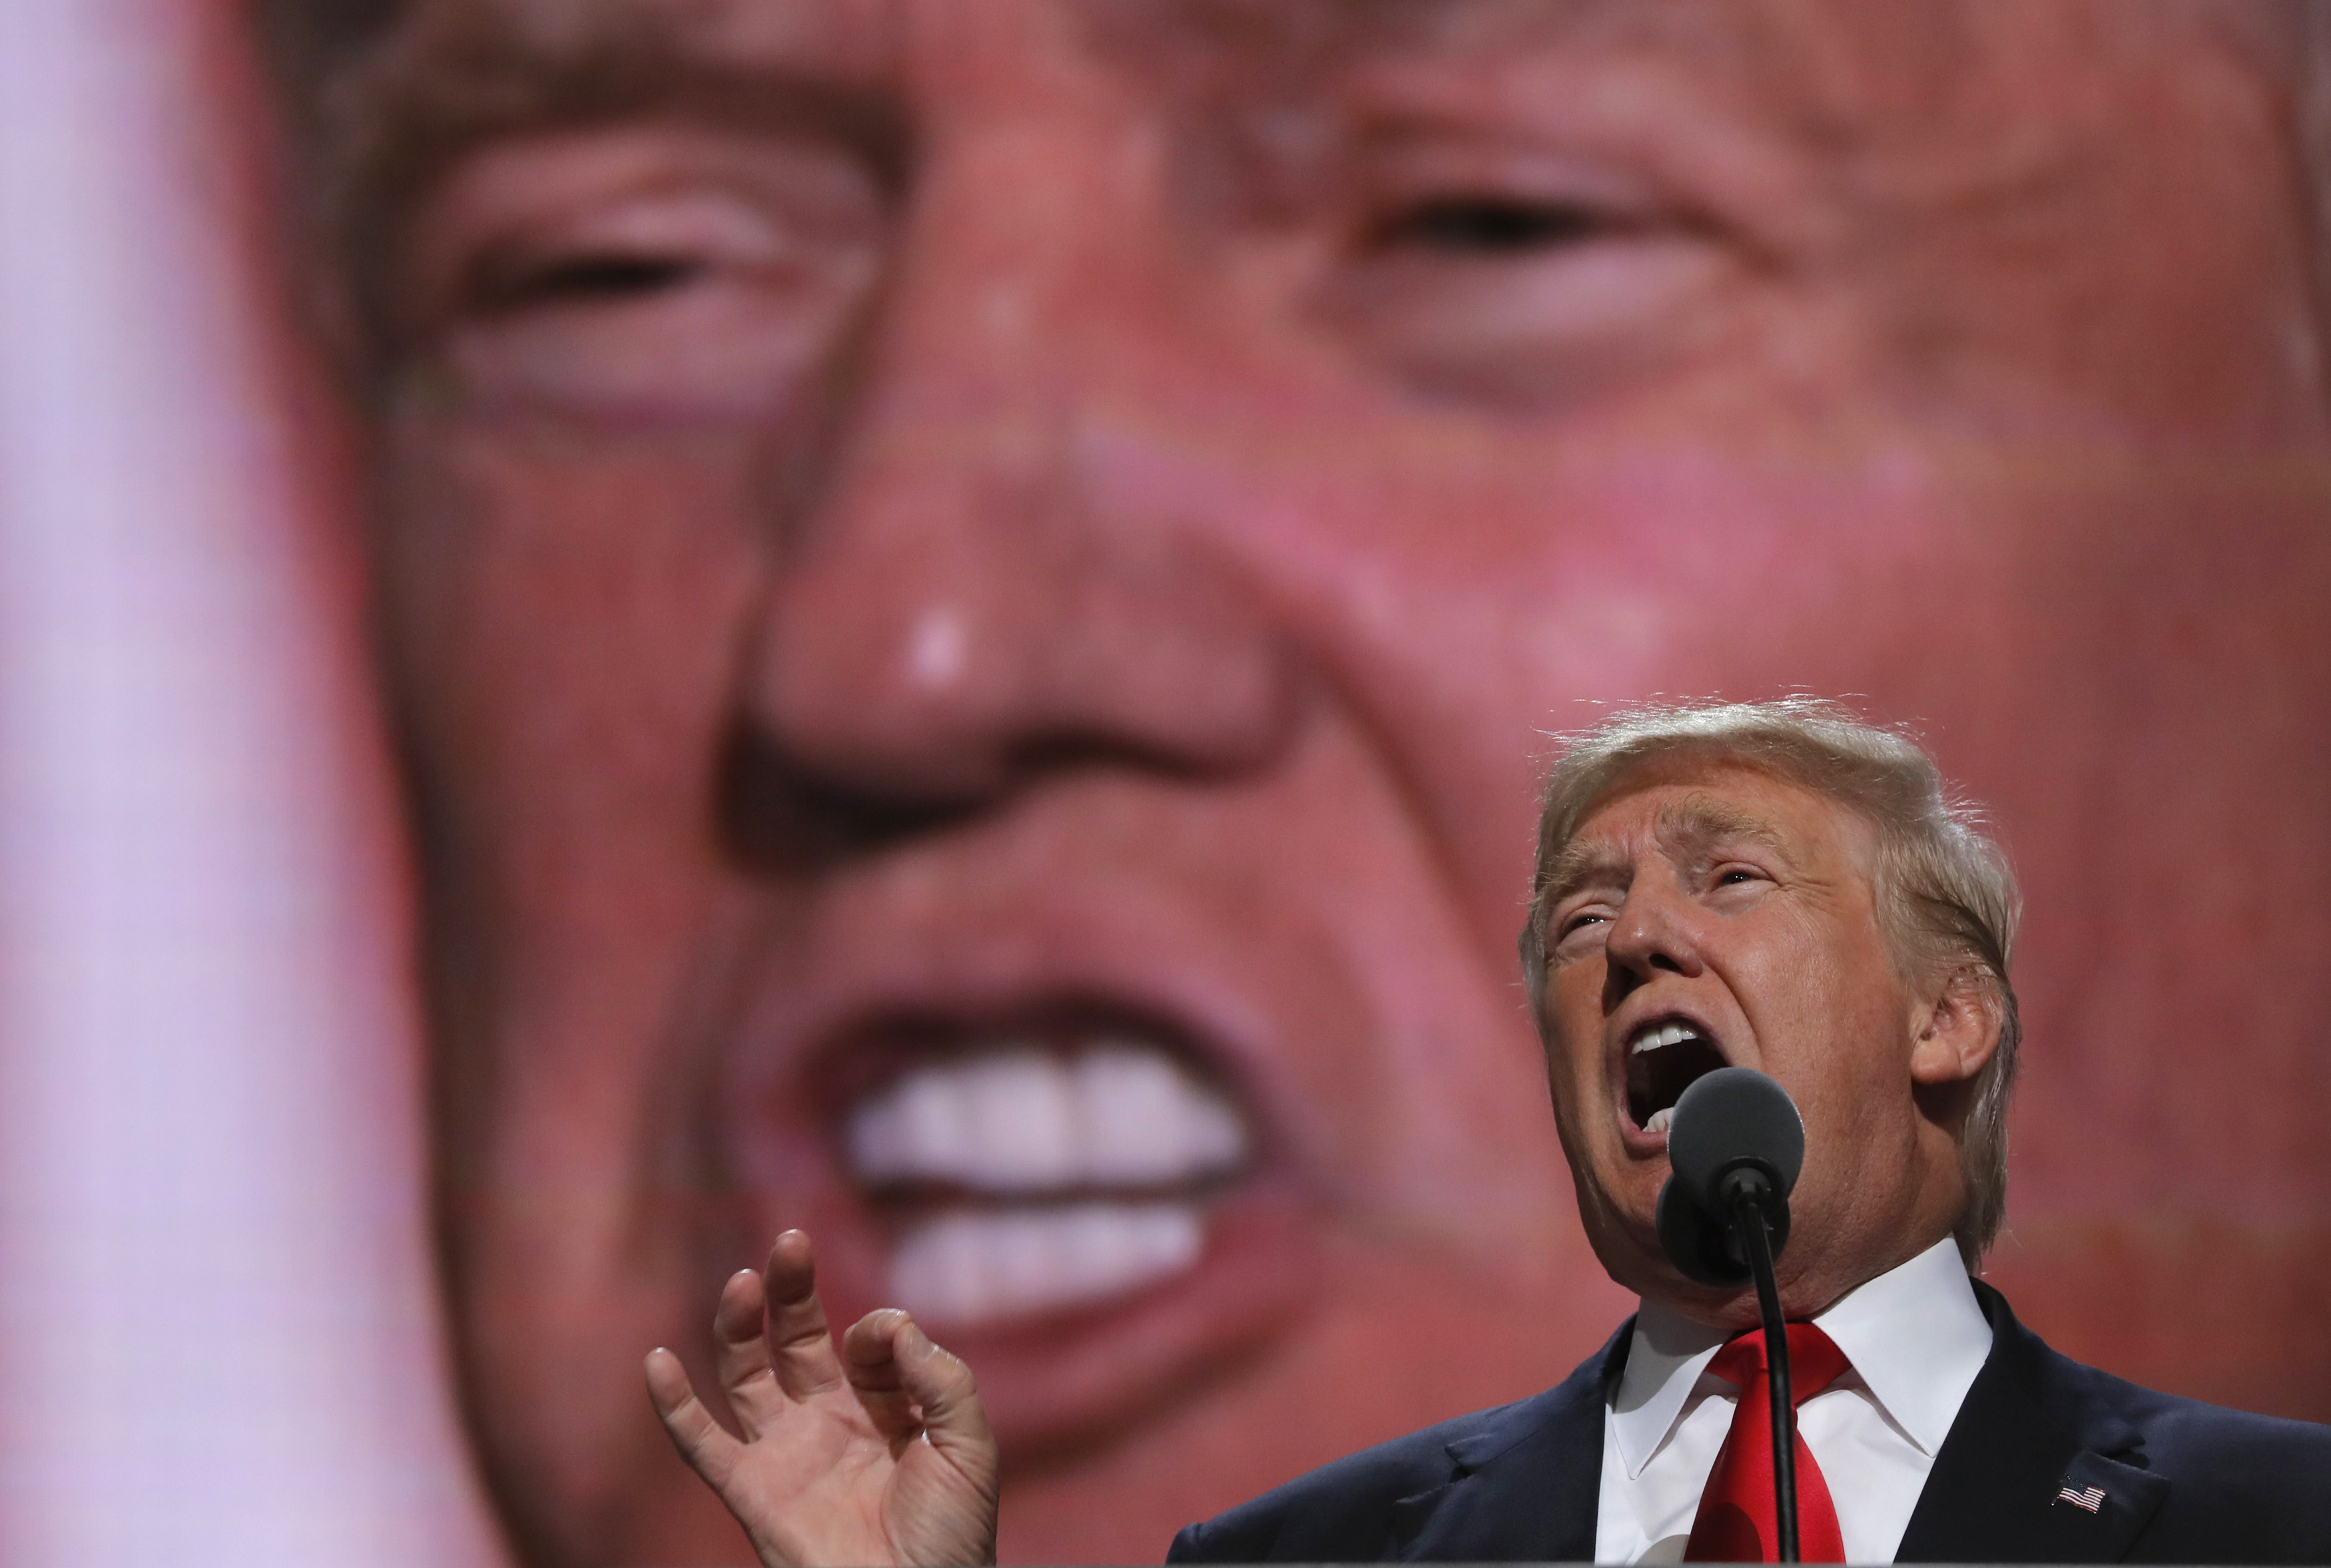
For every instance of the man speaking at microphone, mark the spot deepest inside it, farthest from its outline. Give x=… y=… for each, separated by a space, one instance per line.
x=1772 y=886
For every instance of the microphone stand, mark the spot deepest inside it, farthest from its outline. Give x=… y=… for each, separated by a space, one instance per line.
x=1748 y=1194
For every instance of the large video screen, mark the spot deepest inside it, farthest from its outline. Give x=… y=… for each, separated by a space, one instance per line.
x=938 y=621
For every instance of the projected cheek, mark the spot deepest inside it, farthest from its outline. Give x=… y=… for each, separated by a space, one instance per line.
x=610 y=285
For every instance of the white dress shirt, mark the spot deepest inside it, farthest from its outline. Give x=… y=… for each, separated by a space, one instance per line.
x=1916 y=1339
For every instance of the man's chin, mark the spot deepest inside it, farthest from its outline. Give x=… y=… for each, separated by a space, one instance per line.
x=1628 y=1247
x=1623 y=1229
x=1619 y=1209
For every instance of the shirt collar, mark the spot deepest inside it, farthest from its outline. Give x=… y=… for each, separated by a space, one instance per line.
x=1664 y=1360
x=1914 y=1336
x=1918 y=1337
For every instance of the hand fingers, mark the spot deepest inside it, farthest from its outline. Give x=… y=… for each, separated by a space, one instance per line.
x=709 y=1448
x=801 y=1345
x=869 y=1357
x=741 y=1353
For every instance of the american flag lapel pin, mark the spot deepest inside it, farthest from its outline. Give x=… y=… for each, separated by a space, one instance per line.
x=2092 y=1499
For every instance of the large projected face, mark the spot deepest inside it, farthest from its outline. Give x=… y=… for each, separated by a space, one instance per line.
x=973 y=587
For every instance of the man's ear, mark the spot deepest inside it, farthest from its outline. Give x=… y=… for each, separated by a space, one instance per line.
x=1956 y=1030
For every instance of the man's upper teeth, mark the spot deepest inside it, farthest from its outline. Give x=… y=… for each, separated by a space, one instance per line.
x=1022 y=1120
x=1666 y=1034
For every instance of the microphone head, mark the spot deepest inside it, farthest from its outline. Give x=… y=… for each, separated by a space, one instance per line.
x=1730 y=1118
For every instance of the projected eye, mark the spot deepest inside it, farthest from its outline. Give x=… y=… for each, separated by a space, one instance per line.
x=1519 y=278
x=587 y=278
x=633 y=278
x=1487 y=225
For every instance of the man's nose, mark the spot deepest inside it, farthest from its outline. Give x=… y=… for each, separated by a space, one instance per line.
x=978 y=599
x=1652 y=935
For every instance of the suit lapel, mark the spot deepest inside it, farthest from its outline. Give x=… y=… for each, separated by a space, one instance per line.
x=1526 y=1486
x=2027 y=1433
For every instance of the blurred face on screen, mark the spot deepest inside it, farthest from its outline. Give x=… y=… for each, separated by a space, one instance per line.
x=972 y=589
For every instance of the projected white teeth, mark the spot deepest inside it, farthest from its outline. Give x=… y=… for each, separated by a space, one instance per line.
x=1659 y=1119
x=971 y=1264
x=1083 y=1170
x=1023 y=1121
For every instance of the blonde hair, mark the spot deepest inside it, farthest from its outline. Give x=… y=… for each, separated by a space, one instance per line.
x=1944 y=891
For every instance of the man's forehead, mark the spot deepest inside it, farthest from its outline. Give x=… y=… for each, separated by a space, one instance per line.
x=1677 y=817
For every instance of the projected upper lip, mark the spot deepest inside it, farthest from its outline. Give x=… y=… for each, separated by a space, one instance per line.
x=1658 y=1058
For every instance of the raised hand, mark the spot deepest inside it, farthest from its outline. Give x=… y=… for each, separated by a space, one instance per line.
x=880 y=1455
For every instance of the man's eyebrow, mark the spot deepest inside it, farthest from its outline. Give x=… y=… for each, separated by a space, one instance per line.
x=1579 y=865
x=1694 y=825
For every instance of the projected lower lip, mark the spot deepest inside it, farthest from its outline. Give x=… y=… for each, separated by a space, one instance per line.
x=1028 y=1177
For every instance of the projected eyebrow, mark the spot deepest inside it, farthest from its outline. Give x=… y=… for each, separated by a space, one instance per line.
x=422 y=108
x=1332 y=32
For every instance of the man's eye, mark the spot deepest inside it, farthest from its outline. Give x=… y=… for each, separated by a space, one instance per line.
x=1487 y=225
x=584 y=279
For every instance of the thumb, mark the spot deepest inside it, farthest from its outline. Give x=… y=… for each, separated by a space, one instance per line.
x=938 y=1381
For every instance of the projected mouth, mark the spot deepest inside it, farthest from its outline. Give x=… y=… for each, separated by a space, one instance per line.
x=1022 y=1173
x=1664 y=1057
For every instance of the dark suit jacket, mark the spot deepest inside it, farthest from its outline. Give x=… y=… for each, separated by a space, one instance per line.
x=2183 y=1482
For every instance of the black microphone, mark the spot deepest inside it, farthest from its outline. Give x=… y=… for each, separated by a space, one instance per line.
x=1735 y=1144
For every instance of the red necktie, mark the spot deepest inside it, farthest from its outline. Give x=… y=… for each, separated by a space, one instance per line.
x=1736 y=1523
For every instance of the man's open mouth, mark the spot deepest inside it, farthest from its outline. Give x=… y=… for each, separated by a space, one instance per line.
x=1664 y=1057
x=1028 y=1171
